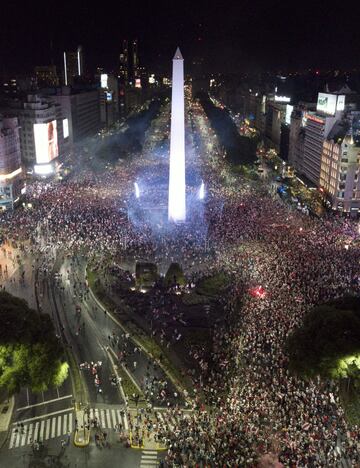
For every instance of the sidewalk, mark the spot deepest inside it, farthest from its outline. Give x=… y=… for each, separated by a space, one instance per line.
x=6 y=409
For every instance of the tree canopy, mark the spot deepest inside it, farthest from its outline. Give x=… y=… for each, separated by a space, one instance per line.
x=328 y=341
x=30 y=353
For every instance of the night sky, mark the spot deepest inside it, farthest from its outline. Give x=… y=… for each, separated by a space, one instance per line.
x=228 y=35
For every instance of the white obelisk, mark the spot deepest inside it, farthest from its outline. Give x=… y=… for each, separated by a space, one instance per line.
x=177 y=204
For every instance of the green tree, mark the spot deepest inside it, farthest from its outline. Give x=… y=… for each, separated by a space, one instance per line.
x=30 y=353
x=328 y=341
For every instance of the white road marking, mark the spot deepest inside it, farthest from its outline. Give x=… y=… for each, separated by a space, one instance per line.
x=102 y=418
x=35 y=435
x=41 y=432
x=113 y=417
x=59 y=426
x=30 y=431
x=70 y=426
x=47 y=433
x=44 y=402
x=53 y=427
x=12 y=438
x=43 y=416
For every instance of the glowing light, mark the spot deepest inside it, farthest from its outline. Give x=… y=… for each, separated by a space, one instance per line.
x=104 y=80
x=65 y=70
x=177 y=204
x=43 y=169
x=78 y=60
x=202 y=191
x=258 y=291
x=137 y=190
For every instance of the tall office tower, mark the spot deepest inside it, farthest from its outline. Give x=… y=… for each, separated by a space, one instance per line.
x=135 y=60
x=177 y=203
x=73 y=65
x=124 y=63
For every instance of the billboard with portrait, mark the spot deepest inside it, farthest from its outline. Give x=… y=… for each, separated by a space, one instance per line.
x=46 y=142
x=326 y=103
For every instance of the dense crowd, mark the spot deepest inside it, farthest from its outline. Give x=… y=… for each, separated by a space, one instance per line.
x=257 y=406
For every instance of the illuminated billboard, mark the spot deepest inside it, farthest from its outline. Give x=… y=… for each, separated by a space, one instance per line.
x=288 y=113
x=340 y=106
x=282 y=99
x=326 y=103
x=65 y=128
x=137 y=83
x=104 y=80
x=46 y=142
x=109 y=96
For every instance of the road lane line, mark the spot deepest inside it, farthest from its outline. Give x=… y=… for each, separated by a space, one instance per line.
x=44 y=402
x=44 y=416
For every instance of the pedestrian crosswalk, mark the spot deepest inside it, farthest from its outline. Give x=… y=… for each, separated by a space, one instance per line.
x=109 y=418
x=148 y=459
x=54 y=425
x=44 y=428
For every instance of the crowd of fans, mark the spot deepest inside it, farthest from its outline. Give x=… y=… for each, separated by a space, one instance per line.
x=256 y=406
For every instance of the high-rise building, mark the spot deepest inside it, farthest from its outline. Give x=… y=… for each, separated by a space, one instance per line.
x=46 y=76
x=80 y=112
x=340 y=165
x=41 y=132
x=135 y=60
x=73 y=65
x=124 y=63
x=109 y=99
x=11 y=180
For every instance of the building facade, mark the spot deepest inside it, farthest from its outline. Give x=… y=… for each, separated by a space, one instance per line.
x=340 y=165
x=11 y=177
x=81 y=109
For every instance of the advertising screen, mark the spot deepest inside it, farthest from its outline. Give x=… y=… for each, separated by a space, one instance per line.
x=326 y=103
x=46 y=142
x=282 y=99
x=65 y=128
x=340 y=106
x=109 y=96
x=104 y=80
x=289 y=110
